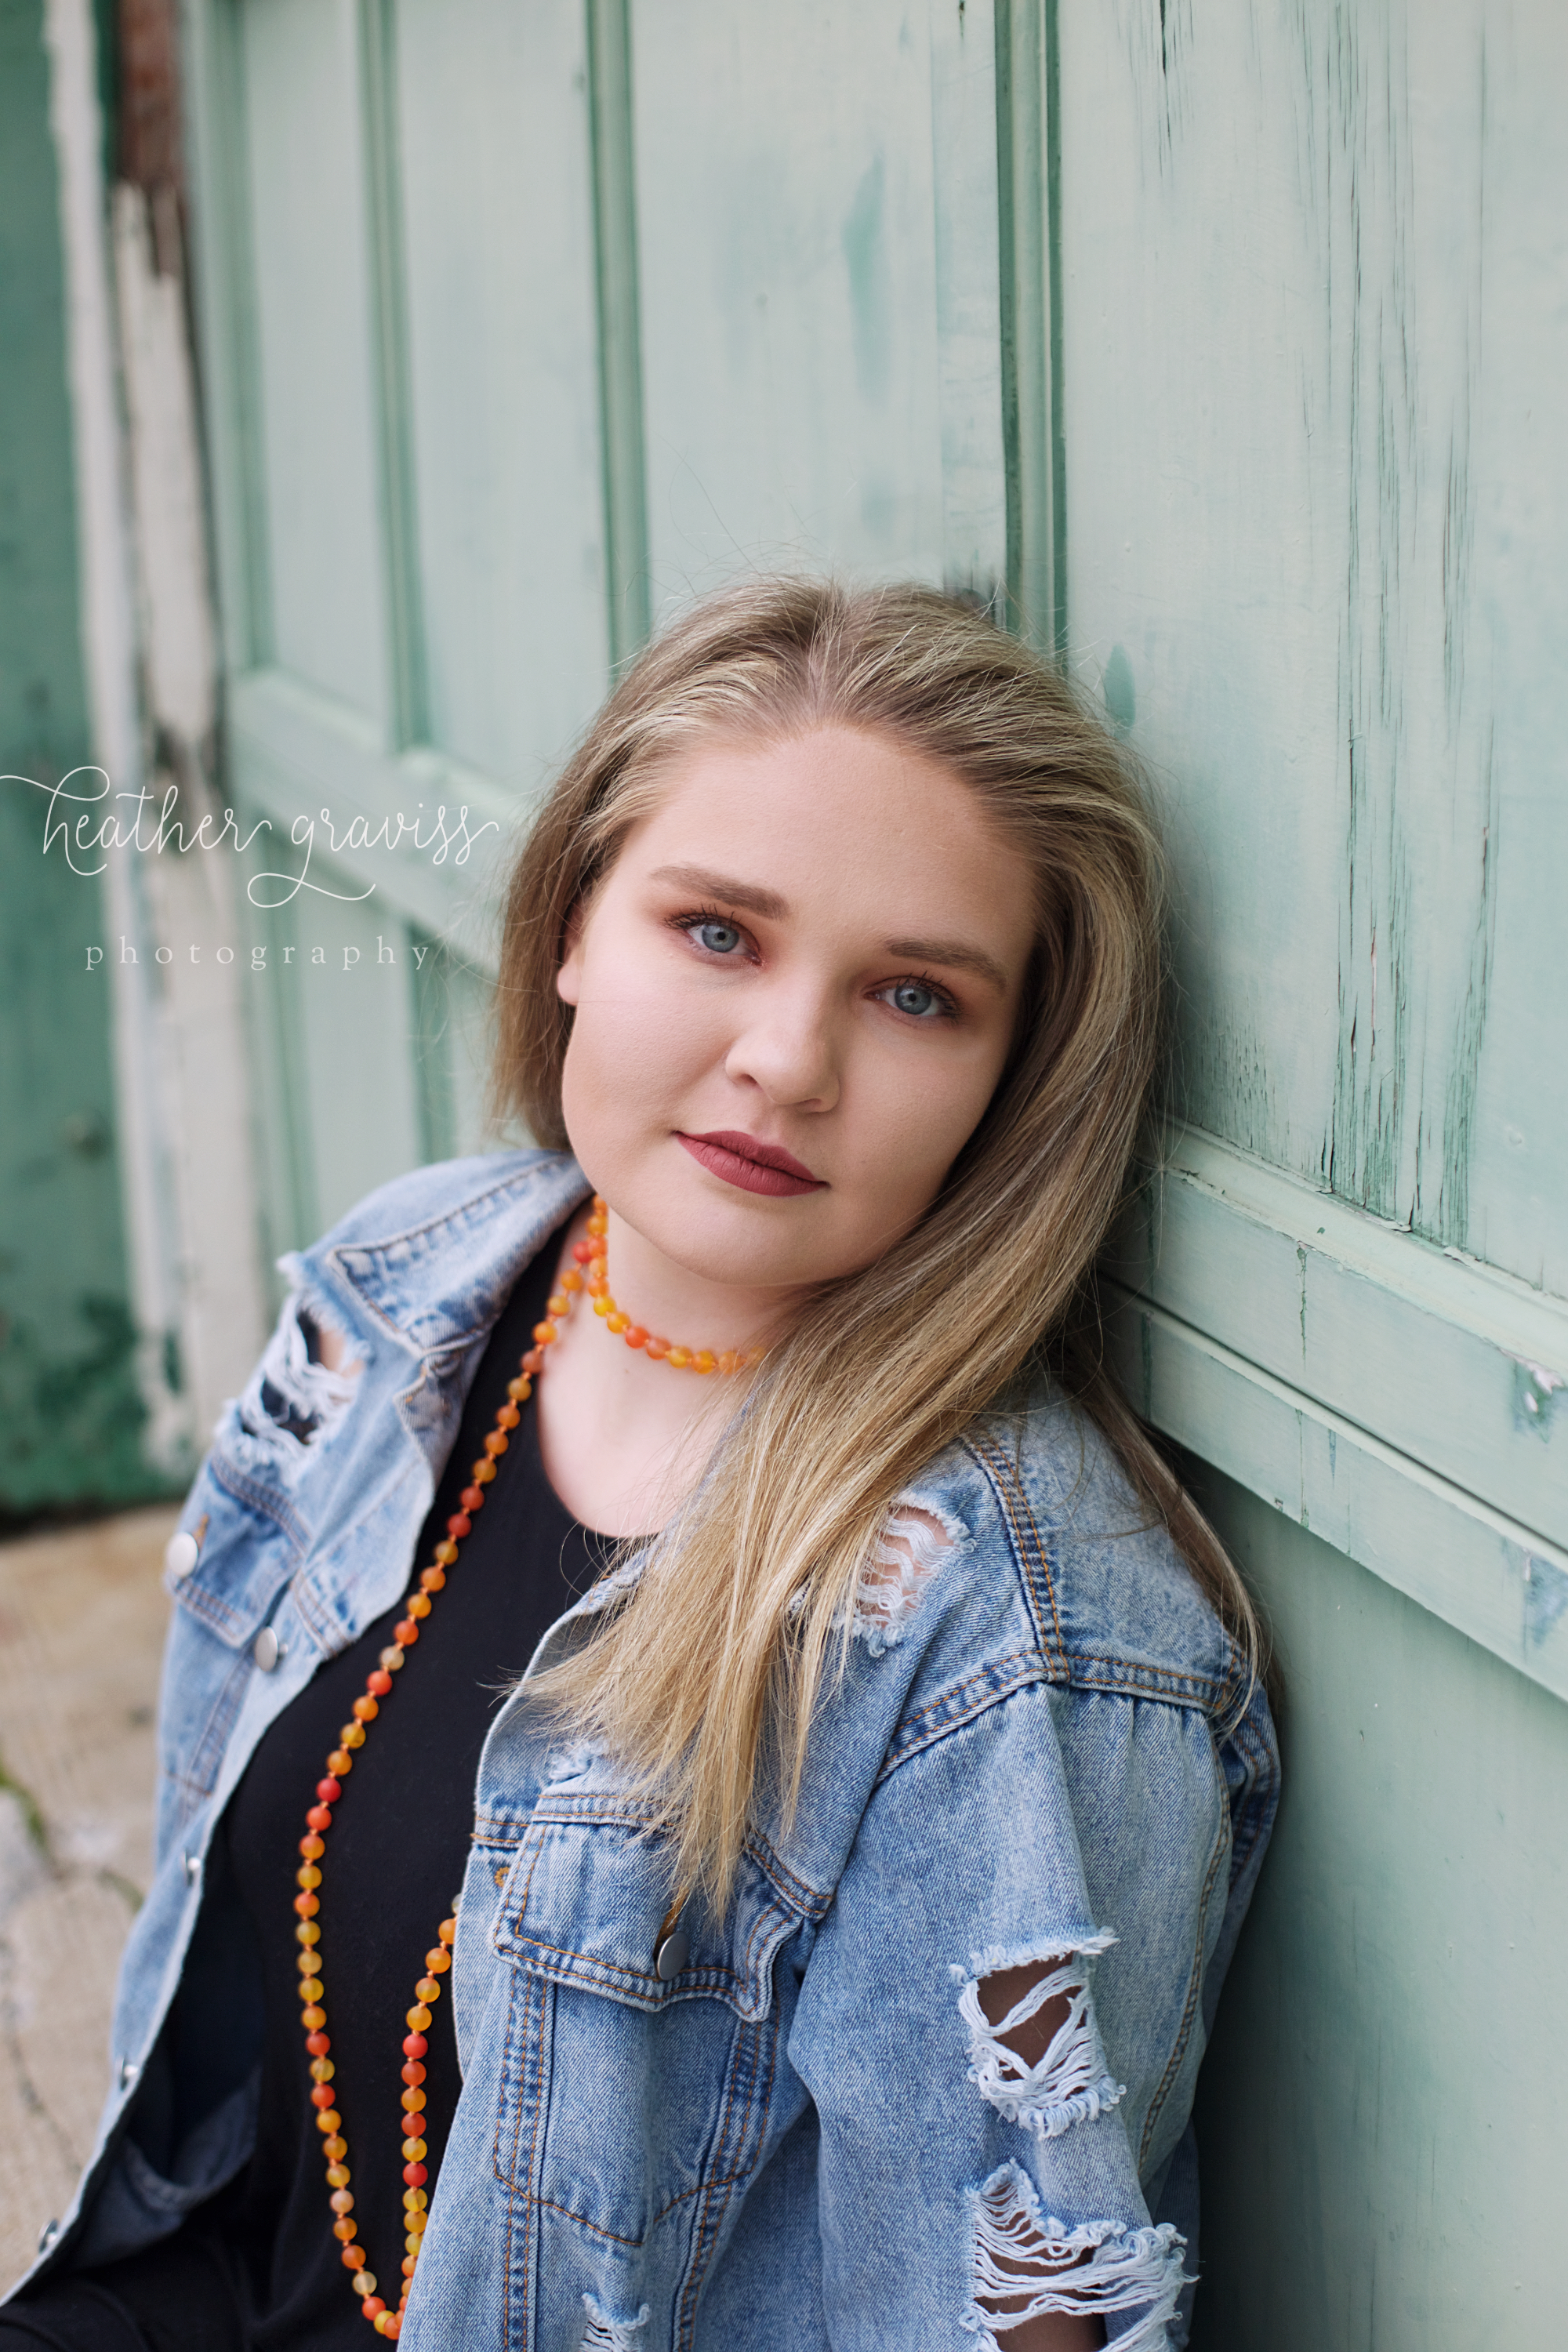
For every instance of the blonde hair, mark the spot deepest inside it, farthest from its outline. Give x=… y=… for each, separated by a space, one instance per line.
x=720 y=1655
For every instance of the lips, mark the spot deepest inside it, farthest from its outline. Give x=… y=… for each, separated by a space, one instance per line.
x=750 y=1165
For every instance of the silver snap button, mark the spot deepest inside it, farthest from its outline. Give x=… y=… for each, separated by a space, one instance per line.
x=46 y=2236
x=182 y=1553
x=191 y=1863
x=267 y=1648
x=672 y=1954
x=129 y=2071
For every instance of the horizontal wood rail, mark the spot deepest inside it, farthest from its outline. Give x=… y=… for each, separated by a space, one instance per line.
x=1404 y=1403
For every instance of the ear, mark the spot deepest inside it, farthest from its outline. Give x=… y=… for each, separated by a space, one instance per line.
x=569 y=974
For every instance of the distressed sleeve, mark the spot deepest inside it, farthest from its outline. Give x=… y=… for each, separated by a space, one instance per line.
x=962 y=2187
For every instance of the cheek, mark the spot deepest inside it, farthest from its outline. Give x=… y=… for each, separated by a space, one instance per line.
x=637 y=1043
x=913 y=1119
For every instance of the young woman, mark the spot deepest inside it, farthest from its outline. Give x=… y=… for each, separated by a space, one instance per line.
x=814 y=1945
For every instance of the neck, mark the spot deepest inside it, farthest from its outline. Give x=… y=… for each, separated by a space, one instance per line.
x=685 y=1307
x=625 y=1437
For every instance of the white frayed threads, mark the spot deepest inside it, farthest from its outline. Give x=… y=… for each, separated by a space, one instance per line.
x=606 y=2334
x=1027 y=2265
x=909 y=1546
x=293 y=1401
x=1069 y=2085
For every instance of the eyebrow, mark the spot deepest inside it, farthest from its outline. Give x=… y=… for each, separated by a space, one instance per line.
x=958 y=955
x=750 y=895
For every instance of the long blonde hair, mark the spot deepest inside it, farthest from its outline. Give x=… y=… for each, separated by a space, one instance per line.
x=721 y=1654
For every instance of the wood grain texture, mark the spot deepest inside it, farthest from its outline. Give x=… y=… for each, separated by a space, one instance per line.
x=1459 y=1370
x=505 y=448
x=1312 y=265
x=1380 y=2113
x=809 y=344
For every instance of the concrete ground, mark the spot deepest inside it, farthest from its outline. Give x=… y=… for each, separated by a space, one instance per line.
x=82 y=1614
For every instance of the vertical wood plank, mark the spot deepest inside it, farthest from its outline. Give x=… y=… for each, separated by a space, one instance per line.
x=1028 y=190
x=316 y=348
x=1312 y=281
x=620 y=331
x=507 y=457
x=968 y=297
x=214 y=75
x=378 y=84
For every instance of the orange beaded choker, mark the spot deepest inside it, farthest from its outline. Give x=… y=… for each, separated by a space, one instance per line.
x=387 y=2320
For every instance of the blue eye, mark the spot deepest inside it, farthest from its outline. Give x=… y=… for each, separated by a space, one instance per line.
x=718 y=938
x=914 y=998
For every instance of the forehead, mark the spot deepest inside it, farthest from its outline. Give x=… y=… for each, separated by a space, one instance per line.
x=835 y=813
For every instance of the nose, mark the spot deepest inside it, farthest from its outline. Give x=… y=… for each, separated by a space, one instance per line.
x=789 y=1049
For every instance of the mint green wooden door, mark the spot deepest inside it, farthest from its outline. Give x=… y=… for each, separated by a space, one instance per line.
x=1217 y=352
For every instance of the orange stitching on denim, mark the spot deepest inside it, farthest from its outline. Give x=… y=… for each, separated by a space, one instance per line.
x=1005 y=1486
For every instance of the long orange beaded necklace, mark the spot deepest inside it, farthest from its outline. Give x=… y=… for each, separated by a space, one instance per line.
x=590 y=1253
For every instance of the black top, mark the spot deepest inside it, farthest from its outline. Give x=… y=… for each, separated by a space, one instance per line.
x=396 y=1857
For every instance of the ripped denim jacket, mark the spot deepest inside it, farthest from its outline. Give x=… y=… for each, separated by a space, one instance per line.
x=803 y=2128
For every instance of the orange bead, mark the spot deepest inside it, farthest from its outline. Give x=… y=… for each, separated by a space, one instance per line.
x=433 y=1580
x=484 y=1472
x=496 y=1443
x=353 y=2258
x=315 y=2019
x=407 y=1632
x=546 y=1334
x=618 y=1322
x=366 y=1710
x=572 y=1281
x=636 y=1337
x=703 y=1360
x=337 y=2176
x=680 y=1358
x=446 y=1551
x=341 y=2200
x=520 y=1390
x=427 y=1989
x=439 y=1961
x=341 y=1762
x=728 y=1360
x=598 y=1288
x=558 y=1304
x=307 y=1875
x=313 y=1848
x=413 y=2101
x=329 y=2120
x=336 y=2149
x=418 y=2017
x=418 y=1604
x=346 y=2229
x=352 y=1735
x=657 y=1351
x=447 y=1931
x=508 y=1417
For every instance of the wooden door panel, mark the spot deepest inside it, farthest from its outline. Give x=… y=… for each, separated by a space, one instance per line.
x=310 y=262
x=821 y=365
x=1314 y=522
x=493 y=119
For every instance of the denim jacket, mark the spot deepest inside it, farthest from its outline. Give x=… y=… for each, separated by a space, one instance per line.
x=797 y=2127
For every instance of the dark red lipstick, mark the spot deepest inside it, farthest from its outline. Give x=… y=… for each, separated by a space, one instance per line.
x=754 y=1166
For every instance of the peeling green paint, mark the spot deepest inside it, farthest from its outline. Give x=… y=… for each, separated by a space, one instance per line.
x=70 y=1411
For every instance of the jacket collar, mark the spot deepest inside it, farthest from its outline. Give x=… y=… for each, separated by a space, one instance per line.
x=440 y=1281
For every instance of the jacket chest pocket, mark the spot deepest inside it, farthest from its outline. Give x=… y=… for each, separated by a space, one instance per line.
x=628 y=2094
